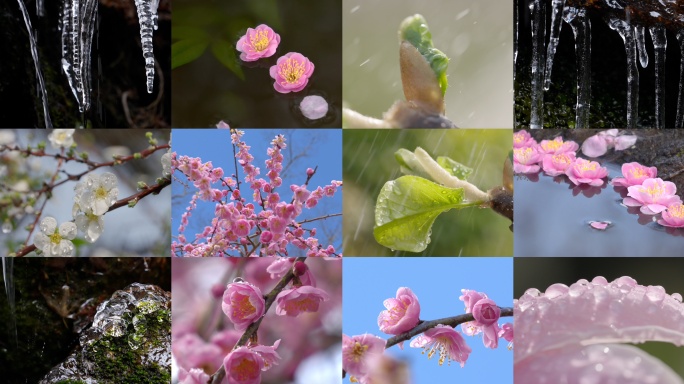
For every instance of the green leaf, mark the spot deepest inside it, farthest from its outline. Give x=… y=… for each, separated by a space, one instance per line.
x=414 y=29
x=187 y=51
x=409 y=164
x=406 y=209
x=454 y=167
x=225 y=53
x=188 y=33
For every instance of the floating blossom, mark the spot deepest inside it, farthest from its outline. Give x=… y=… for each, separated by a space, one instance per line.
x=243 y=366
x=293 y=302
x=556 y=146
x=600 y=225
x=258 y=43
x=653 y=196
x=97 y=193
x=61 y=138
x=291 y=72
x=525 y=160
x=402 y=312
x=600 y=143
x=360 y=352
x=557 y=164
x=445 y=340
x=243 y=303
x=634 y=174
x=673 y=216
x=313 y=107
x=53 y=241
x=586 y=172
x=522 y=139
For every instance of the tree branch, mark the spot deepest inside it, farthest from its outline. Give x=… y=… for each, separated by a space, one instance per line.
x=218 y=376
x=450 y=321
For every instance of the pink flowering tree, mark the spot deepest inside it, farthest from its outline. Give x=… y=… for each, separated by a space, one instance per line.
x=65 y=189
x=265 y=205
x=583 y=332
x=419 y=319
x=254 y=321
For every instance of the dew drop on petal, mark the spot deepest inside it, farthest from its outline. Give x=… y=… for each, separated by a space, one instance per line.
x=677 y=297
x=314 y=107
x=238 y=280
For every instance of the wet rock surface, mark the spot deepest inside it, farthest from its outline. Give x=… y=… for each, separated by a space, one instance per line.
x=129 y=341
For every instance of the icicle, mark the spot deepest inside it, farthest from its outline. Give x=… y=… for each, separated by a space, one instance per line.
x=36 y=61
x=581 y=28
x=538 y=8
x=8 y=278
x=640 y=35
x=147 y=18
x=627 y=32
x=679 y=123
x=77 y=25
x=515 y=40
x=40 y=8
x=556 y=26
x=659 y=46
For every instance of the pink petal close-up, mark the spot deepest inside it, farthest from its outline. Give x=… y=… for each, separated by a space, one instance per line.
x=595 y=146
x=564 y=333
x=295 y=301
x=360 y=352
x=445 y=341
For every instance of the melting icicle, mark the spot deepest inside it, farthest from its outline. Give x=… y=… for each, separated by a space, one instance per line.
x=659 y=46
x=7 y=276
x=36 y=61
x=679 y=123
x=538 y=8
x=147 y=18
x=640 y=36
x=627 y=32
x=581 y=28
x=77 y=26
x=515 y=40
x=40 y=8
x=556 y=26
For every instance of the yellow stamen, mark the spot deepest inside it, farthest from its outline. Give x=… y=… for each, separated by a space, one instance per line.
x=357 y=351
x=100 y=193
x=259 y=40
x=587 y=165
x=637 y=173
x=676 y=211
x=242 y=307
x=291 y=70
x=552 y=145
x=562 y=158
x=55 y=238
x=245 y=369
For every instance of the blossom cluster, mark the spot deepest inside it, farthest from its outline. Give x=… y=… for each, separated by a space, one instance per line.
x=644 y=190
x=361 y=354
x=292 y=70
x=267 y=223
x=203 y=352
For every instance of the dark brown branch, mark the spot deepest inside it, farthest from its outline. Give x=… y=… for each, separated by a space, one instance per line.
x=218 y=376
x=450 y=321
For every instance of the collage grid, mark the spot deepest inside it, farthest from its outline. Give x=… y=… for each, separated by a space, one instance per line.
x=314 y=192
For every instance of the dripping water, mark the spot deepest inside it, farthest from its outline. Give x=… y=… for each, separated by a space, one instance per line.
x=7 y=276
x=640 y=36
x=36 y=61
x=538 y=8
x=581 y=28
x=659 y=46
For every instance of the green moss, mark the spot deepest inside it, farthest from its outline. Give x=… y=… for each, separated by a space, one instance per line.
x=69 y=381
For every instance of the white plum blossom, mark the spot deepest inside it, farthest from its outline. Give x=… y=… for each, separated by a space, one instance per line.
x=166 y=163
x=55 y=241
x=90 y=224
x=61 y=138
x=96 y=193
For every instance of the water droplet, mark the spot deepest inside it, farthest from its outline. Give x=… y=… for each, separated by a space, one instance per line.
x=677 y=297
x=238 y=280
x=6 y=227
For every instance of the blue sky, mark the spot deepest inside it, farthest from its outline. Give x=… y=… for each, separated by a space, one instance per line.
x=437 y=282
x=309 y=148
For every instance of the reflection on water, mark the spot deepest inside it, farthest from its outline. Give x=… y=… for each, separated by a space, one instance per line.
x=553 y=217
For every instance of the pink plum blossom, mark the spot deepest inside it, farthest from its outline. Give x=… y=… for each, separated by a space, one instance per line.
x=557 y=164
x=293 y=302
x=600 y=143
x=360 y=352
x=243 y=366
x=193 y=376
x=523 y=139
x=490 y=336
x=243 y=303
x=506 y=332
x=445 y=340
x=673 y=216
x=470 y=297
x=291 y=72
x=525 y=160
x=653 y=196
x=486 y=312
x=556 y=146
x=634 y=174
x=586 y=172
x=600 y=225
x=269 y=354
x=257 y=43
x=402 y=312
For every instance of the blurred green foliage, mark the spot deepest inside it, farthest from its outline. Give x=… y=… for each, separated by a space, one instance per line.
x=369 y=162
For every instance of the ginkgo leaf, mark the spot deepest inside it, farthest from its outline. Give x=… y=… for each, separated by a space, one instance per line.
x=406 y=209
